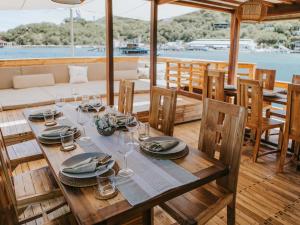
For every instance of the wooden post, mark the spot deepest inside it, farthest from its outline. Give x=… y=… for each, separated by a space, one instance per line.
x=234 y=48
x=153 y=43
x=109 y=53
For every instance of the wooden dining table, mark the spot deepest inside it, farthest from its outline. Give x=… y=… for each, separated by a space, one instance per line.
x=89 y=210
x=278 y=99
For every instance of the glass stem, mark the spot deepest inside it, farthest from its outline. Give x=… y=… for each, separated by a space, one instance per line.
x=83 y=129
x=131 y=137
x=125 y=161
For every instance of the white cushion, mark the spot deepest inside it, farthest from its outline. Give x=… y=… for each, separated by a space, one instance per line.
x=126 y=75
x=78 y=74
x=37 y=80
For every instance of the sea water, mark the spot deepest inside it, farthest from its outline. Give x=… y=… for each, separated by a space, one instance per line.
x=284 y=63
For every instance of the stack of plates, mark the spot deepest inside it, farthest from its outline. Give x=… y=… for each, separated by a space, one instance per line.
x=90 y=108
x=55 y=139
x=179 y=151
x=83 y=179
x=268 y=93
x=121 y=121
x=38 y=115
x=230 y=87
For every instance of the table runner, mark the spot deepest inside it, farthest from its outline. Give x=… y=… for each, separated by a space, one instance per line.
x=151 y=176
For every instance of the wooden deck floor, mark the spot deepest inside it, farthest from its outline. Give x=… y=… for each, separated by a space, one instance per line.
x=264 y=197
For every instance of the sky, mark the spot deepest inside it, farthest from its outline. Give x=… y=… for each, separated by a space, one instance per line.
x=91 y=10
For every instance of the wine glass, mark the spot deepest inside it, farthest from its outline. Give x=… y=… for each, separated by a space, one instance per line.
x=75 y=94
x=97 y=103
x=125 y=149
x=131 y=124
x=82 y=119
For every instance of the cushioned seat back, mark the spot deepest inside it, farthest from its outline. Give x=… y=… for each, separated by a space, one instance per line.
x=7 y=74
x=36 y=80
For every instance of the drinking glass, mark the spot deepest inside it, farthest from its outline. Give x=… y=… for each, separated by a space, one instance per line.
x=131 y=125
x=106 y=185
x=97 y=103
x=125 y=149
x=59 y=102
x=144 y=130
x=49 y=117
x=67 y=141
x=110 y=109
x=85 y=99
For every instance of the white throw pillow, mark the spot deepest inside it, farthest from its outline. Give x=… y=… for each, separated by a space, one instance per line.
x=78 y=74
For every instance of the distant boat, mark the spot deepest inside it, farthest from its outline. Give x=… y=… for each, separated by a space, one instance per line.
x=133 y=49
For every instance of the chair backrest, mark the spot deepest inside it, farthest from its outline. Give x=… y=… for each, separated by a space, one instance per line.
x=226 y=135
x=126 y=93
x=162 y=109
x=267 y=77
x=250 y=96
x=214 y=85
x=6 y=173
x=293 y=111
x=296 y=79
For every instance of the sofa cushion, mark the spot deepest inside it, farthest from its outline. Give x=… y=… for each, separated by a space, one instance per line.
x=60 y=71
x=126 y=75
x=36 y=80
x=78 y=74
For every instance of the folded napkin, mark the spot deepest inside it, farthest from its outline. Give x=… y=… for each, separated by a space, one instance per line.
x=38 y=113
x=86 y=166
x=57 y=132
x=121 y=120
x=159 y=146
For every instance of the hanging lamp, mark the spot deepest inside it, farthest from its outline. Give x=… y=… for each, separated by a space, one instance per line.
x=69 y=2
x=252 y=11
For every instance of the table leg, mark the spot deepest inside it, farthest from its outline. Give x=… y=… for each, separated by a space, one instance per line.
x=148 y=217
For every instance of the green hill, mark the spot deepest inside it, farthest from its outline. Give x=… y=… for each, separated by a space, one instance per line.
x=188 y=27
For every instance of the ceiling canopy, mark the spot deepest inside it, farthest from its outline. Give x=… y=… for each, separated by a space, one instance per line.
x=277 y=9
x=32 y=4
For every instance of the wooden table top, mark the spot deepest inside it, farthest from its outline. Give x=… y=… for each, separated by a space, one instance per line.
x=88 y=210
x=278 y=99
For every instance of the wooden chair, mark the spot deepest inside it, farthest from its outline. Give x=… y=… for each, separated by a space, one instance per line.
x=281 y=113
x=126 y=93
x=27 y=188
x=201 y=204
x=296 y=79
x=213 y=85
x=266 y=77
x=162 y=109
x=292 y=124
x=250 y=96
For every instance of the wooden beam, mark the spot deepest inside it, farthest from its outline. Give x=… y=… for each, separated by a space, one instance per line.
x=280 y=9
x=203 y=6
x=160 y=2
x=234 y=48
x=153 y=42
x=109 y=53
